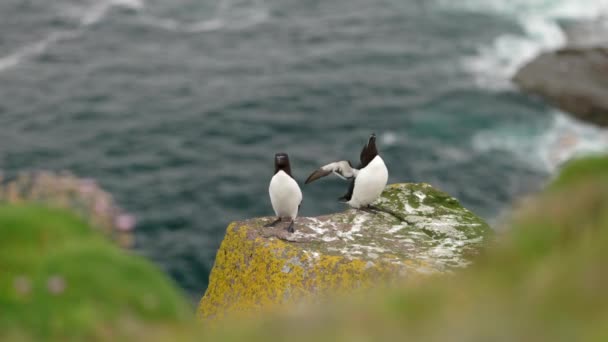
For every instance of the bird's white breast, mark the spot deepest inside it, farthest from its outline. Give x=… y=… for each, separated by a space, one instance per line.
x=285 y=195
x=370 y=183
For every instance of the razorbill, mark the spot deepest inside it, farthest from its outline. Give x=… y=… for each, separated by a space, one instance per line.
x=367 y=181
x=285 y=194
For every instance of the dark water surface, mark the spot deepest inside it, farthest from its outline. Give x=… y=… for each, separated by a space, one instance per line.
x=177 y=107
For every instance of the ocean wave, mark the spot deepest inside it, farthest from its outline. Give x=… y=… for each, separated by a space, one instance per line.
x=548 y=8
x=215 y=24
x=547 y=147
x=97 y=11
x=494 y=65
x=230 y=15
x=87 y=16
x=33 y=49
x=389 y=138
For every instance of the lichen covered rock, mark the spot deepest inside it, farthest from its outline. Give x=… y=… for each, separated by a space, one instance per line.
x=423 y=231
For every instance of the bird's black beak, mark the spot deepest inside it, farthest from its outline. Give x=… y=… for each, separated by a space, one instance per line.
x=280 y=158
x=281 y=162
x=372 y=140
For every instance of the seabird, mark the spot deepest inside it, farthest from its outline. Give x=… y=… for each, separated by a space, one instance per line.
x=285 y=194
x=367 y=180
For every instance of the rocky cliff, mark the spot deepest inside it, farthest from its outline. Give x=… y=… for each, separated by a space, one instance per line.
x=425 y=232
x=574 y=78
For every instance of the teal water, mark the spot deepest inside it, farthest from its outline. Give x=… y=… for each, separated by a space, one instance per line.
x=177 y=107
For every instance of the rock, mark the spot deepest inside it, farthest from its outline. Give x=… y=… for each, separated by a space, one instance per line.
x=573 y=79
x=427 y=232
x=586 y=33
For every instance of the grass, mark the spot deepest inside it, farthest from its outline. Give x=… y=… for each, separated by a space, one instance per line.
x=582 y=170
x=60 y=279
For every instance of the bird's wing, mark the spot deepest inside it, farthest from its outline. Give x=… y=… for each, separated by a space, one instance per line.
x=349 y=194
x=342 y=169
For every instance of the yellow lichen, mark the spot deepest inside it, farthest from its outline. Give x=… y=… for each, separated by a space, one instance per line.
x=251 y=274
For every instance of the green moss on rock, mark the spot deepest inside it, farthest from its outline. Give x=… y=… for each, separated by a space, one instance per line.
x=426 y=232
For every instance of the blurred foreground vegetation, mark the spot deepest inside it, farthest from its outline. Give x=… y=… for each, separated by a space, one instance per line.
x=60 y=279
x=544 y=279
x=65 y=272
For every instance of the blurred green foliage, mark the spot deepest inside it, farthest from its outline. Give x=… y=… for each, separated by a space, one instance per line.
x=544 y=279
x=60 y=279
x=586 y=169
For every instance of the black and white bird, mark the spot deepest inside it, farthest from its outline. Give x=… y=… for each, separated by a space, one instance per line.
x=285 y=194
x=367 y=180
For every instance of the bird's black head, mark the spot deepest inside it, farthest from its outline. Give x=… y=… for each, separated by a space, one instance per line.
x=281 y=162
x=371 y=145
x=369 y=152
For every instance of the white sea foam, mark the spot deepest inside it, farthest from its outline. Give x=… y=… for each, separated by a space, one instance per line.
x=168 y=24
x=547 y=147
x=87 y=16
x=389 y=138
x=229 y=15
x=230 y=23
x=495 y=64
x=97 y=11
x=33 y=49
x=132 y=4
x=563 y=137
